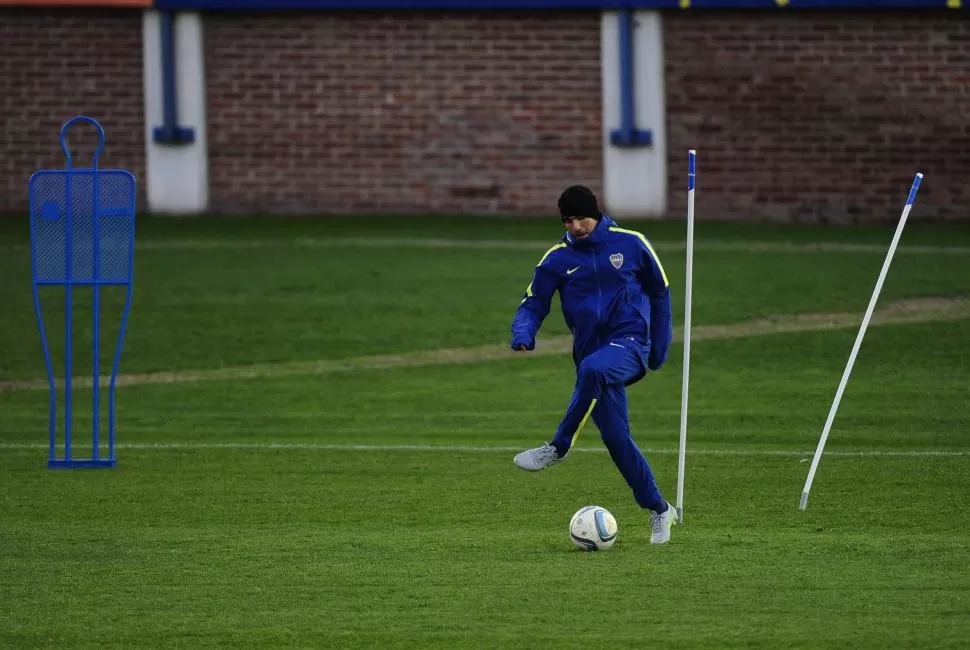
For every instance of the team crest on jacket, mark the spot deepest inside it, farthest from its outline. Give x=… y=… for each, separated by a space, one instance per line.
x=616 y=259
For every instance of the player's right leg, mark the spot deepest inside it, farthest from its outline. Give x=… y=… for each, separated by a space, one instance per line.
x=533 y=460
x=613 y=364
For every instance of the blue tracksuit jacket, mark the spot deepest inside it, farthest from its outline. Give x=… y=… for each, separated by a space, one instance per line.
x=611 y=285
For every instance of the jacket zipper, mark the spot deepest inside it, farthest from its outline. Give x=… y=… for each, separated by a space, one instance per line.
x=599 y=296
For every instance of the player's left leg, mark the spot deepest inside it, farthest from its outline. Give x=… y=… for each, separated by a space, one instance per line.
x=612 y=419
x=610 y=416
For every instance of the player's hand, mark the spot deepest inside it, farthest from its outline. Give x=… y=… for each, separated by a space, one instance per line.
x=520 y=344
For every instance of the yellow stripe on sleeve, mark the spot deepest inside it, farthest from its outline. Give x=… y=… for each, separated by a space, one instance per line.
x=528 y=290
x=549 y=252
x=646 y=242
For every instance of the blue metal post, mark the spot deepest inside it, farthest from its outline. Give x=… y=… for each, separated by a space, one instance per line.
x=96 y=289
x=170 y=132
x=69 y=306
x=628 y=135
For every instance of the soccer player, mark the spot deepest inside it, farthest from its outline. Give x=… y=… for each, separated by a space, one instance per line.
x=616 y=301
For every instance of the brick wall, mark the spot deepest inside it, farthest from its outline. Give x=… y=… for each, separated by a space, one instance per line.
x=796 y=116
x=57 y=64
x=445 y=112
x=820 y=117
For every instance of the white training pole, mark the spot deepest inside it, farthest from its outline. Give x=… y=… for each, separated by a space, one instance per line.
x=858 y=341
x=681 y=462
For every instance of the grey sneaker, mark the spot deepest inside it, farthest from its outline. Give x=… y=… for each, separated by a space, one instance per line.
x=533 y=460
x=661 y=524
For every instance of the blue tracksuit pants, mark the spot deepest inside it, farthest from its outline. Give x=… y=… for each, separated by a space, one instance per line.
x=600 y=393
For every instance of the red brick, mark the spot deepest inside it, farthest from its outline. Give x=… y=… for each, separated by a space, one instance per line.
x=58 y=64
x=426 y=111
x=868 y=104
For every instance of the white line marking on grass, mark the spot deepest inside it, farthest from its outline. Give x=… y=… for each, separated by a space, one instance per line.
x=310 y=446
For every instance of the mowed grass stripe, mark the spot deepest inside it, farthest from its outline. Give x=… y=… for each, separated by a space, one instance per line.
x=922 y=310
x=309 y=446
x=512 y=244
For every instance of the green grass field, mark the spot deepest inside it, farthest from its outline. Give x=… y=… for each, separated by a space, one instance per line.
x=300 y=465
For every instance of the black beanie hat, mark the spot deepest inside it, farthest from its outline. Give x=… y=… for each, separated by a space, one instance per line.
x=578 y=201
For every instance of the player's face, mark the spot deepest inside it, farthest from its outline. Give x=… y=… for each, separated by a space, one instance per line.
x=580 y=227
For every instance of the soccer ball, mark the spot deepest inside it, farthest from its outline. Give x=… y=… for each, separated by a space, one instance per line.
x=593 y=528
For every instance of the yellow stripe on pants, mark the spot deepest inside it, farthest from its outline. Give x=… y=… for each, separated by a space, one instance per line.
x=583 y=423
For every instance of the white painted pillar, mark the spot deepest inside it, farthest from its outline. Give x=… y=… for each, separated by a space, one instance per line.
x=178 y=174
x=635 y=179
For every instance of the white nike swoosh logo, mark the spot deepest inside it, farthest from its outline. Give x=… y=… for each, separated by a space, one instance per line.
x=617 y=345
x=571 y=271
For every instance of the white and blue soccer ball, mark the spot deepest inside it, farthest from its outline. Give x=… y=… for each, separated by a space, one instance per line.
x=593 y=528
